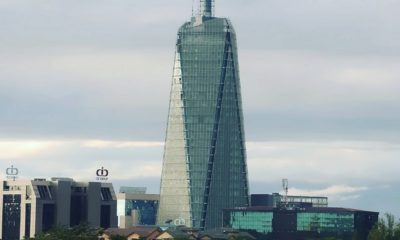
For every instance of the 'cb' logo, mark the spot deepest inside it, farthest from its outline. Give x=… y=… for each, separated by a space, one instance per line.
x=102 y=172
x=179 y=222
x=12 y=172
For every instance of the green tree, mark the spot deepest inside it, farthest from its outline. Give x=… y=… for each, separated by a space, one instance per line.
x=80 y=232
x=385 y=229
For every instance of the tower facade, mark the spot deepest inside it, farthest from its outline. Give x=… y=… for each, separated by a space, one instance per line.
x=204 y=165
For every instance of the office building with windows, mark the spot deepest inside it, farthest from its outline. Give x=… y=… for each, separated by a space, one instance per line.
x=136 y=208
x=277 y=200
x=302 y=223
x=28 y=207
x=204 y=166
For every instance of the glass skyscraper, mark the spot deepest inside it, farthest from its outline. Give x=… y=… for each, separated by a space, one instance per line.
x=204 y=166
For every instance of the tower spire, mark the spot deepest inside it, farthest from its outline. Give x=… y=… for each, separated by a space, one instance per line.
x=207 y=8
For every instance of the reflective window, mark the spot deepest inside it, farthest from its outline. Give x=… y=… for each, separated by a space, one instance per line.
x=325 y=222
x=247 y=220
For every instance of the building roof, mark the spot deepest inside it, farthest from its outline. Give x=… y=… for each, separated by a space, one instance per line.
x=305 y=209
x=289 y=196
x=177 y=233
x=132 y=190
x=252 y=209
x=130 y=196
x=226 y=233
x=142 y=231
x=333 y=209
x=182 y=232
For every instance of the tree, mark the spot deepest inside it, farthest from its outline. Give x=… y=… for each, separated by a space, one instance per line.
x=385 y=229
x=79 y=232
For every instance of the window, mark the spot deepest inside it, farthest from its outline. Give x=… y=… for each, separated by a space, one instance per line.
x=106 y=194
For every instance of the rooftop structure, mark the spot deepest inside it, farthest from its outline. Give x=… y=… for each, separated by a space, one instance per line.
x=277 y=200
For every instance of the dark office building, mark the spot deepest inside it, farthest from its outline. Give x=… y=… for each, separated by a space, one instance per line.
x=302 y=223
x=31 y=207
x=11 y=216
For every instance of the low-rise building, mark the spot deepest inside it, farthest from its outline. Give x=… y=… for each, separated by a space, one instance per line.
x=28 y=207
x=133 y=233
x=136 y=208
x=173 y=232
x=225 y=233
x=302 y=223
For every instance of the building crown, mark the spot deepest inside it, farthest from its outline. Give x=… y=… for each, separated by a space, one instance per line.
x=207 y=8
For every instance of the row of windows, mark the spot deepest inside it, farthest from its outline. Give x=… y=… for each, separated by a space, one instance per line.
x=259 y=221
x=325 y=222
x=321 y=222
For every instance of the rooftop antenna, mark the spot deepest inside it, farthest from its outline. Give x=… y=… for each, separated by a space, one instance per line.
x=285 y=186
x=192 y=8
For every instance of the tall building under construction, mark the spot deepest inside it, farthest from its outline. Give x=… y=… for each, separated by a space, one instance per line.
x=204 y=165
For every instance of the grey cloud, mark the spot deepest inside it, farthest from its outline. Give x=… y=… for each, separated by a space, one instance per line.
x=295 y=95
x=335 y=27
x=319 y=162
x=84 y=69
x=300 y=125
x=95 y=96
x=360 y=27
x=311 y=71
x=91 y=24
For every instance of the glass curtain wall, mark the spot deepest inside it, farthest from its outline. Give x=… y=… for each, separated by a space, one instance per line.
x=247 y=220
x=325 y=222
x=204 y=168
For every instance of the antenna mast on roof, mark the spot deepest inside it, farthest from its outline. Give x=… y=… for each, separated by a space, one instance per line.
x=192 y=8
x=285 y=186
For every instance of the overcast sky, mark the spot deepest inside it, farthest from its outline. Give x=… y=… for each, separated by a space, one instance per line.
x=85 y=84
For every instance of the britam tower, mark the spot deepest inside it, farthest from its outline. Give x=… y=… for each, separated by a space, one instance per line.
x=204 y=165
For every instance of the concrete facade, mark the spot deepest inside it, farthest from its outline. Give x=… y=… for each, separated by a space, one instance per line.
x=28 y=207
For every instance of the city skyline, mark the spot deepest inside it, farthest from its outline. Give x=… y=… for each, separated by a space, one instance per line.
x=85 y=85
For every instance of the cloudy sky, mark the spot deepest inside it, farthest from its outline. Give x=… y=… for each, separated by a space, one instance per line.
x=85 y=84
